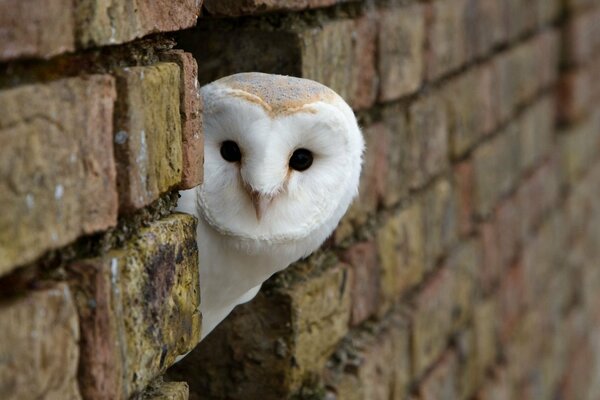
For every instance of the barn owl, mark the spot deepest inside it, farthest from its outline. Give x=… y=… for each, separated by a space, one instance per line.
x=282 y=164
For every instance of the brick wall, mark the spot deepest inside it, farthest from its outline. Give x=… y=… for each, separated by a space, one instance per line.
x=466 y=269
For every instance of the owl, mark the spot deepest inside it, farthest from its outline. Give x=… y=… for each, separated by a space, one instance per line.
x=282 y=163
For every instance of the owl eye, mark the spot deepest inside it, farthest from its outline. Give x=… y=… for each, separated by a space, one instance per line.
x=301 y=160
x=230 y=151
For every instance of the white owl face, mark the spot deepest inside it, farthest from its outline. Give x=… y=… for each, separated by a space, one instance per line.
x=282 y=157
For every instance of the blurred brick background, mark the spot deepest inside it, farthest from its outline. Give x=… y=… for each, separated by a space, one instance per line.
x=467 y=268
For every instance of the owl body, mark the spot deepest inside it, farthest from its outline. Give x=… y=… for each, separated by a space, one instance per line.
x=282 y=164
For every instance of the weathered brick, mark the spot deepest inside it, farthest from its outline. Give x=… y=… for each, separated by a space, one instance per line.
x=372 y=365
x=507 y=220
x=520 y=17
x=485 y=327
x=440 y=215
x=39 y=346
x=364 y=80
x=575 y=95
x=498 y=387
x=536 y=132
x=446 y=37
x=401 y=50
x=233 y=8
x=428 y=126
x=190 y=105
x=578 y=145
x=102 y=22
x=398 y=155
x=486 y=26
x=138 y=308
x=366 y=280
x=282 y=336
x=511 y=300
x=442 y=382
x=464 y=264
x=492 y=267
x=548 y=11
x=161 y=390
x=431 y=321
x=495 y=167
x=148 y=140
x=36 y=28
x=464 y=180
x=56 y=164
x=402 y=253
x=579 y=39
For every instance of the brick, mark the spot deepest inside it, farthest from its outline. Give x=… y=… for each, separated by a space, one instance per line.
x=507 y=219
x=446 y=37
x=57 y=165
x=191 y=118
x=401 y=249
x=520 y=17
x=470 y=106
x=579 y=38
x=485 y=26
x=284 y=335
x=536 y=132
x=366 y=280
x=485 y=328
x=493 y=266
x=401 y=50
x=440 y=214
x=398 y=155
x=138 y=308
x=464 y=264
x=578 y=145
x=498 y=387
x=442 y=382
x=495 y=167
x=468 y=373
x=38 y=28
x=428 y=126
x=39 y=346
x=511 y=300
x=102 y=22
x=161 y=390
x=464 y=181
x=372 y=365
x=575 y=95
x=364 y=80
x=148 y=139
x=548 y=11
x=431 y=321
x=232 y=8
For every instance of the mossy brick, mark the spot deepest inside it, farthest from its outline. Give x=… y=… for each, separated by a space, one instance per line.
x=446 y=37
x=107 y=22
x=428 y=139
x=401 y=247
x=190 y=107
x=57 y=166
x=39 y=347
x=495 y=169
x=431 y=321
x=366 y=281
x=283 y=336
x=233 y=8
x=442 y=382
x=470 y=106
x=372 y=364
x=35 y=29
x=440 y=220
x=138 y=308
x=148 y=139
x=161 y=390
x=401 y=50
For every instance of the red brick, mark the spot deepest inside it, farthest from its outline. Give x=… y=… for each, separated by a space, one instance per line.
x=138 y=308
x=492 y=267
x=191 y=118
x=401 y=50
x=35 y=28
x=511 y=300
x=148 y=139
x=234 y=8
x=364 y=72
x=366 y=280
x=102 y=22
x=39 y=347
x=57 y=162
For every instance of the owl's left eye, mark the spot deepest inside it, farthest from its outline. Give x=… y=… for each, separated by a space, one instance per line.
x=230 y=151
x=301 y=160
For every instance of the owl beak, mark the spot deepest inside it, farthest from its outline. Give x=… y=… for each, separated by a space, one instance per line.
x=260 y=202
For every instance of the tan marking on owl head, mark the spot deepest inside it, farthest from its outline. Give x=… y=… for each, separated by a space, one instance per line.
x=278 y=94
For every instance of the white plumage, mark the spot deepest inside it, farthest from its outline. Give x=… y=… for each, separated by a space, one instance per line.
x=260 y=209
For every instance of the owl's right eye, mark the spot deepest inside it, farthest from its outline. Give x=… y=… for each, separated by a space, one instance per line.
x=230 y=151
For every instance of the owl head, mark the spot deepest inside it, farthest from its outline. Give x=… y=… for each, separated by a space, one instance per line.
x=282 y=159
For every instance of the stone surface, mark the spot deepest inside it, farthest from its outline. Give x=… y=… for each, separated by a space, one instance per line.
x=35 y=28
x=138 y=308
x=190 y=107
x=366 y=280
x=160 y=390
x=103 y=22
x=442 y=382
x=56 y=166
x=401 y=48
x=234 y=8
x=148 y=139
x=280 y=338
x=39 y=347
